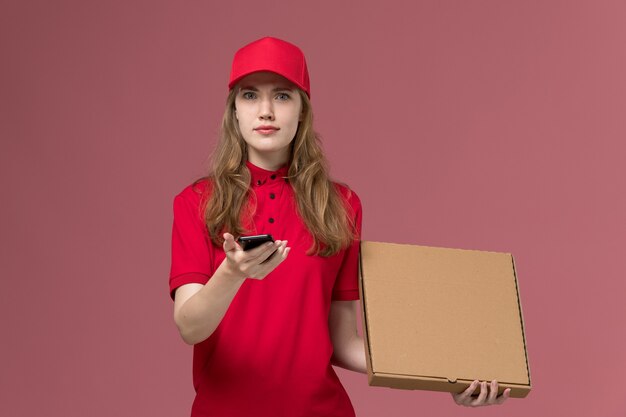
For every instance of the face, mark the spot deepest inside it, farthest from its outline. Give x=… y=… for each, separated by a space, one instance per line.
x=268 y=109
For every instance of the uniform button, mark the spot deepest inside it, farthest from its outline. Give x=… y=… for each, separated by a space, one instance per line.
x=272 y=196
x=286 y=180
x=258 y=182
x=273 y=176
x=271 y=220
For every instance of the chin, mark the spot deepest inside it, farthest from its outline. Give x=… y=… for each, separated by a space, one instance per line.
x=271 y=149
x=269 y=145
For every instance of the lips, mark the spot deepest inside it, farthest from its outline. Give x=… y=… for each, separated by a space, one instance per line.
x=266 y=129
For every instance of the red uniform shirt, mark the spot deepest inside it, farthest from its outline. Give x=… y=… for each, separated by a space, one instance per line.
x=270 y=355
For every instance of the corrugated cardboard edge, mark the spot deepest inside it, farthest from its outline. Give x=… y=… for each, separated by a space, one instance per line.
x=366 y=339
x=428 y=382
x=521 y=319
x=437 y=384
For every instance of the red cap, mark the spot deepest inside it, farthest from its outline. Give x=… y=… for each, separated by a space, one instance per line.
x=271 y=54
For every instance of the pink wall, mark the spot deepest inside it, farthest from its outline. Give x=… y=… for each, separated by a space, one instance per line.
x=485 y=125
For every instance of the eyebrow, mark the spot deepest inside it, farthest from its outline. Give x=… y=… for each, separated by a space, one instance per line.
x=252 y=88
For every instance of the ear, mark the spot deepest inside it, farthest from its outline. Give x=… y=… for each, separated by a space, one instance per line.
x=236 y=117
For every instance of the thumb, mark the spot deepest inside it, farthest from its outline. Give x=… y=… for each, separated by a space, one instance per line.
x=229 y=242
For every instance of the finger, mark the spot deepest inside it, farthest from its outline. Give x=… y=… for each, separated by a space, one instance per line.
x=259 y=253
x=506 y=394
x=229 y=242
x=267 y=257
x=274 y=258
x=493 y=392
x=260 y=271
x=481 y=397
x=285 y=252
x=275 y=253
x=465 y=396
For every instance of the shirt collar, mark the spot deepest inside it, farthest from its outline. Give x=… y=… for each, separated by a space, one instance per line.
x=261 y=176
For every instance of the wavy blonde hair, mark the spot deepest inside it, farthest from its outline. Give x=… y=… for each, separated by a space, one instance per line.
x=326 y=214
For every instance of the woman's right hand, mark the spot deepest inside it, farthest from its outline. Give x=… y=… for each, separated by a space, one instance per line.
x=250 y=264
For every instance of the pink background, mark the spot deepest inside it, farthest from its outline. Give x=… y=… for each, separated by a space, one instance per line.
x=485 y=125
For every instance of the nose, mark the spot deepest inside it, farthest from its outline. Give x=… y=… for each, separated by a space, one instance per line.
x=266 y=110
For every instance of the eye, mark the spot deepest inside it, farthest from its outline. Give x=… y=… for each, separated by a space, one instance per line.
x=283 y=96
x=248 y=95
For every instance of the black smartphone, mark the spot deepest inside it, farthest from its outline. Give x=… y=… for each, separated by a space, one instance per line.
x=251 y=242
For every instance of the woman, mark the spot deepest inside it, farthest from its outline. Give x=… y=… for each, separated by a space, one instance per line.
x=267 y=324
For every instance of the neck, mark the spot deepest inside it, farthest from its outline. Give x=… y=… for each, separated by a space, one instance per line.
x=269 y=161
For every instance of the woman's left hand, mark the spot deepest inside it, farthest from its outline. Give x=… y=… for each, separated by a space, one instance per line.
x=484 y=398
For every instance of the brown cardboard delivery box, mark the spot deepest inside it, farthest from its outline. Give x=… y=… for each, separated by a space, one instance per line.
x=436 y=318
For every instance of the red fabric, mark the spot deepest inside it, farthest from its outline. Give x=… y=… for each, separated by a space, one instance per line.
x=270 y=355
